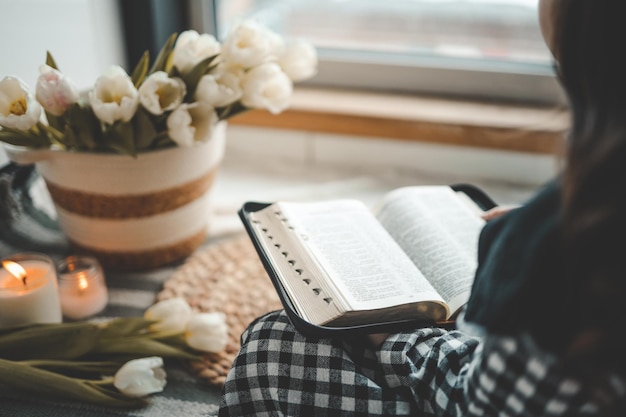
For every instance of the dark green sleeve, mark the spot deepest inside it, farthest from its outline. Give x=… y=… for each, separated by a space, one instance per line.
x=519 y=281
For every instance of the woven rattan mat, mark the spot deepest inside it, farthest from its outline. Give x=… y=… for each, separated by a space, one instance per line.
x=226 y=277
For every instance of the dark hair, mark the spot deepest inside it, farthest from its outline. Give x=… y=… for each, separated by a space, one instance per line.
x=589 y=41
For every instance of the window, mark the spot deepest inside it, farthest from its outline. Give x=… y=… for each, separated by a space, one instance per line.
x=490 y=49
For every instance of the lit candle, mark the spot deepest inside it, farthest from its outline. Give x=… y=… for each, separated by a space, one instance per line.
x=28 y=290
x=82 y=289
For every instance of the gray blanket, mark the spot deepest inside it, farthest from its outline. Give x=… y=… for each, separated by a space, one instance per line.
x=27 y=224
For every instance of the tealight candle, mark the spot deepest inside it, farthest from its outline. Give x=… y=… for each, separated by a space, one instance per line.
x=28 y=290
x=82 y=289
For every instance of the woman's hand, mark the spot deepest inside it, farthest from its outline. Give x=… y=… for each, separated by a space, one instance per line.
x=377 y=339
x=497 y=211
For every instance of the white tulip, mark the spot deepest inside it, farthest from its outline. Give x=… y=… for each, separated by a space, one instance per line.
x=172 y=314
x=267 y=87
x=191 y=122
x=207 y=332
x=141 y=377
x=299 y=60
x=54 y=91
x=114 y=96
x=191 y=48
x=18 y=107
x=160 y=93
x=219 y=90
x=251 y=44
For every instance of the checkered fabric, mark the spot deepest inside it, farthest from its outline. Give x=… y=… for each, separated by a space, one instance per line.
x=429 y=371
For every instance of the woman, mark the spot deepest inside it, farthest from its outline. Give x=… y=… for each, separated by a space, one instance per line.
x=541 y=332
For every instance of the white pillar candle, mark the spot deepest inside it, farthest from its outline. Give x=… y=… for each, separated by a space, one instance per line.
x=82 y=288
x=28 y=290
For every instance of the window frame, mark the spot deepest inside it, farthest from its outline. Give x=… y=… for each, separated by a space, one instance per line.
x=465 y=79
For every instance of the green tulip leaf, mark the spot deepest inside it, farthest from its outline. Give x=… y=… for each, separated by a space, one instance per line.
x=162 y=141
x=70 y=139
x=49 y=341
x=141 y=69
x=85 y=127
x=73 y=368
x=125 y=326
x=175 y=340
x=50 y=385
x=19 y=138
x=51 y=134
x=120 y=137
x=174 y=72
x=192 y=78
x=145 y=131
x=231 y=110
x=162 y=61
x=140 y=347
x=50 y=61
x=56 y=122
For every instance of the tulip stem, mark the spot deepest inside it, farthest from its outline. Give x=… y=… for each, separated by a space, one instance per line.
x=164 y=335
x=94 y=368
x=104 y=381
x=54 y=135
x=59 y=362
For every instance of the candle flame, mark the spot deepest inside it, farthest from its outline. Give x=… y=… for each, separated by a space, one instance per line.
x=82 y=284
x=16 y=270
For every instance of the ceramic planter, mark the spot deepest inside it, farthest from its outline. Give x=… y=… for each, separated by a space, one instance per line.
x=132 y=213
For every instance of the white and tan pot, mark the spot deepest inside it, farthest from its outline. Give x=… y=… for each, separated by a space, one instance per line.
x=132 y=213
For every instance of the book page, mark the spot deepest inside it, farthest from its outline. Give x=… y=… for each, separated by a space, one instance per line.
x=366 y=265
x=439 y=231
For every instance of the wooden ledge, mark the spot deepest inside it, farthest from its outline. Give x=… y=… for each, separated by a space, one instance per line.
x=434 y=120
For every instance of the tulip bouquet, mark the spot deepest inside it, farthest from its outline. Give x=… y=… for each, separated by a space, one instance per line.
x=113 y=363
x=194 y=82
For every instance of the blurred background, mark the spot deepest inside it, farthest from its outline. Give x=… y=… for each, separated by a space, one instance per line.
x=485 y=50
x=450 y=47
x=393 y=43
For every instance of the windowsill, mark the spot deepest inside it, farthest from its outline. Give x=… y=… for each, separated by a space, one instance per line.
x=496 y=126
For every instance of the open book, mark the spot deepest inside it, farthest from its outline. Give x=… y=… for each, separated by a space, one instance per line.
x=338 y=265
